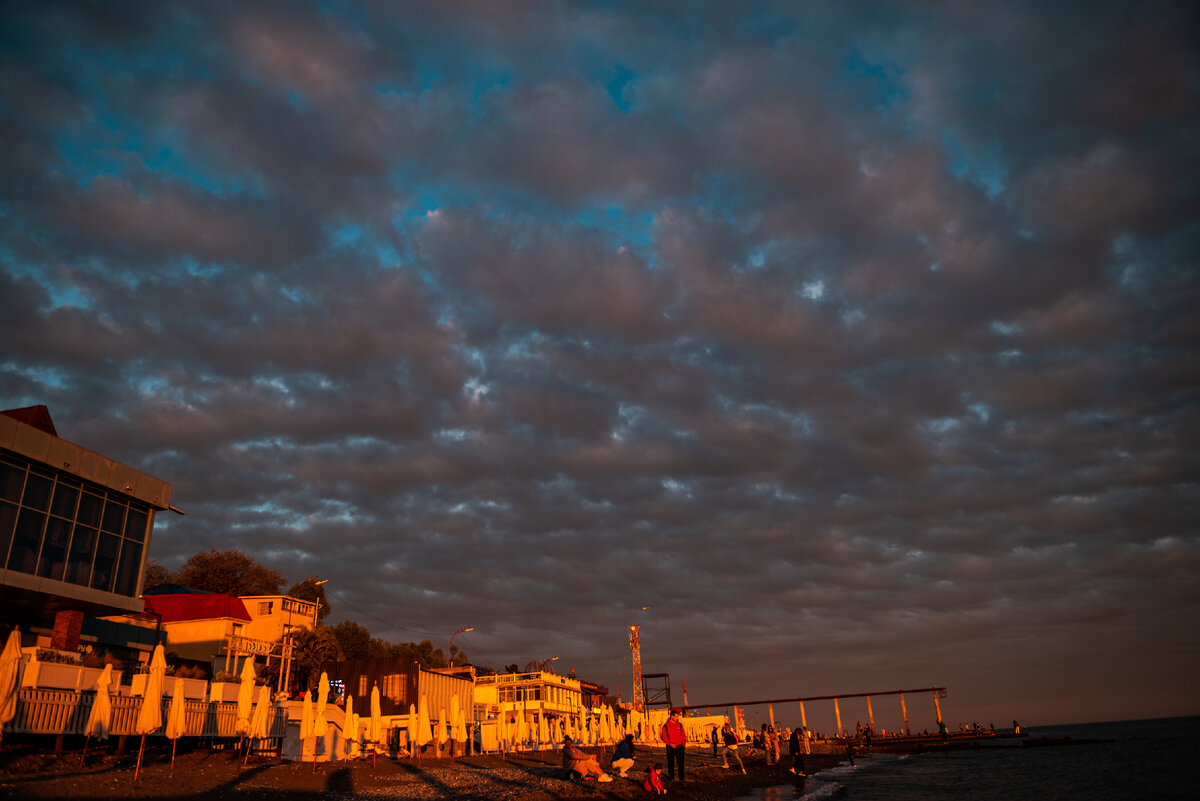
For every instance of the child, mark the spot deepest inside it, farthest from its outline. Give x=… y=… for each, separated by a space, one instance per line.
x=653 y=783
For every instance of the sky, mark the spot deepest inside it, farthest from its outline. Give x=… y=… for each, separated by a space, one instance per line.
x=855 y=341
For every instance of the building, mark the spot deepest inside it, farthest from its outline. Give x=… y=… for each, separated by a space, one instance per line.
x=75 y=531
x=212 y=631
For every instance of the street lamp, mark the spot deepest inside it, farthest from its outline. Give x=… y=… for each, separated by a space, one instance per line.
x=544 y=663
x=450 y=652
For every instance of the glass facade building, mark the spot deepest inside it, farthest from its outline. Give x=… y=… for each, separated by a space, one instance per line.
x=75 y=526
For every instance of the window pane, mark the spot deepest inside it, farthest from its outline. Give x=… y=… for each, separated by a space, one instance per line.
x=114 y=517
x=8 y=520
x=37 y=492
x=54 y=548
x=104 y=569
x=65 y=496
x=12 y=481
x=26 y=539
x=135 y=524
x=127 y=574
x=89 y=509
x=83 y=548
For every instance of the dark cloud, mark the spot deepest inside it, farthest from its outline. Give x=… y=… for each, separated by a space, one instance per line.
x=858 y=342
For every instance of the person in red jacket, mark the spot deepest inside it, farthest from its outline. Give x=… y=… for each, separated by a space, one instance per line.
x=674 y=739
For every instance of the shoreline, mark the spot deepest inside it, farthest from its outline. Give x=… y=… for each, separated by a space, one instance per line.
x=202 y=774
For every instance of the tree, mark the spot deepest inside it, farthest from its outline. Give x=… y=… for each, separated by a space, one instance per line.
x=311 y=649
x=314 y=591
x=426 y=654
x=356 y=642
x=233 y=572
x=156 y=575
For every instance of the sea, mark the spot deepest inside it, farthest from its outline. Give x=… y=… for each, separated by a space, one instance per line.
x=1154 y=760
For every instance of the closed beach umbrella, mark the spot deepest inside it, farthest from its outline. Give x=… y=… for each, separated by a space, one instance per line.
x=411 y=729
x=322 y=725
x=175 y=723
x=10 y=676
x=245 y=698
x=306 y=717
x=350 y=730
x=543 y=731
x=376 y=729
x=460 y=722
x=424 y=731
x=149 y=717
x=260 y=722
x=100 y=718
x=522 y=730
x=439 y=731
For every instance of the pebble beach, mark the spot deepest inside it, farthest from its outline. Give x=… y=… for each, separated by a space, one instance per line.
x=27 y=771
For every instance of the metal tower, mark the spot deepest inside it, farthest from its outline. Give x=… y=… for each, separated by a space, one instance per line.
x=635 y=646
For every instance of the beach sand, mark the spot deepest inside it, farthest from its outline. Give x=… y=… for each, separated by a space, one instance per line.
x=29 y=770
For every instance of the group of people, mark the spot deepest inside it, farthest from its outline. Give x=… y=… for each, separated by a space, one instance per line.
x=578 y=761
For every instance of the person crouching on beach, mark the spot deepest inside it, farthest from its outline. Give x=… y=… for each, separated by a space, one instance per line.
x=582 y=762
x=622 y=758
x=653 y=783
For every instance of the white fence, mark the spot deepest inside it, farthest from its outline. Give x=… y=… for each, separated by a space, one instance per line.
x=66 y=712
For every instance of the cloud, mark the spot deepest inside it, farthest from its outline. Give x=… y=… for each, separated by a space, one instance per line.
x=857 y=346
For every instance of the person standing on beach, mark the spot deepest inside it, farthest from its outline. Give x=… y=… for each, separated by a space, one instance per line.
x=674 y=739
x=796 y=749
x=716 y=738
x=731 y=747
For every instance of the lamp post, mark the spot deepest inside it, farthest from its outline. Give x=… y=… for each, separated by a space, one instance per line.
x=450 y=651
x=544 y=663
x=317 y=601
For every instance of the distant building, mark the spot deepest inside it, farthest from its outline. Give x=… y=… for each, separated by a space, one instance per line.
x=75 y=529
x=214 y=631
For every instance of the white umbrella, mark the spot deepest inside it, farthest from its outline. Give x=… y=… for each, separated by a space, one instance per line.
x=424 y=734
x=350 y=729
x=176 y=725
x=10 y=675
x=306 y=720
x=376 y=729
x=322 y=725
x=543 y=731
x=411 y=729
x=459 y=723
x=149 y=717
x=439 y=731
x=245 y=698
x=259 y=720
x=100 y=718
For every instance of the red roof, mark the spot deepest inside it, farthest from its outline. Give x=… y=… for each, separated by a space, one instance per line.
x=36 y=416
x=191 y=606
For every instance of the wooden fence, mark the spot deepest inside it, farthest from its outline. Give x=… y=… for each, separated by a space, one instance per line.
x=66 y=712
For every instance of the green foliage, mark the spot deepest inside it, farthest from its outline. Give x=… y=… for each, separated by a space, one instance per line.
x=225 y=676
x=233 y=572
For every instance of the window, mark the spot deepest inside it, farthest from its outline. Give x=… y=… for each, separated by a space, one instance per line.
x=265 y=607
x=92 y=536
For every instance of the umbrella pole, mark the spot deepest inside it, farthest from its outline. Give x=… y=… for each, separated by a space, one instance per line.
x=84 y=754
x=173 y=743
x=137 y=769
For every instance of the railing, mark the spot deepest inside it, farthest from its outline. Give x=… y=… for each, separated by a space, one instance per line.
x=65 y=712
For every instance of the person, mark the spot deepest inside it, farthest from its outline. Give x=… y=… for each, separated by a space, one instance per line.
x=796 y=749
x=653 y=782
x=716 y=739
x=582 y=762
x=765 y=736
x=731 y=747
x=622 y=758
x=674 y=739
